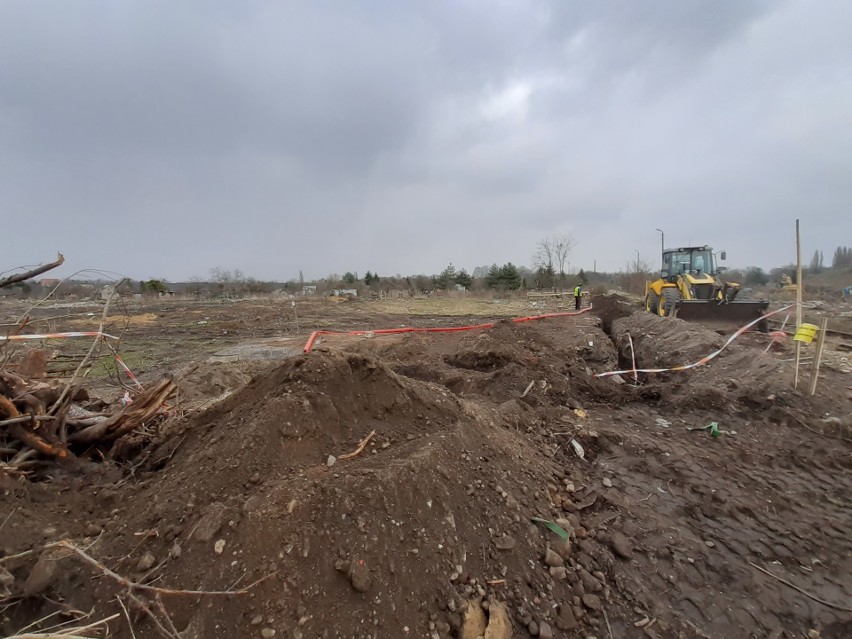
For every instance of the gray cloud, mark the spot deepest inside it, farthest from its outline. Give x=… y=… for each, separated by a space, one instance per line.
x=161 y=138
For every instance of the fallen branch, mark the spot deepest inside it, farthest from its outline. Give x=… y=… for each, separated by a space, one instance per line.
x=17 y=430
x=21 y=277
x=127 y=616
x=360 y=448
x=134 y=591
x=20 y=432
x=128 y=418
x=804 y=592
x=143 y=606
x=608 y=627
x=132 y=585
x=66 y=633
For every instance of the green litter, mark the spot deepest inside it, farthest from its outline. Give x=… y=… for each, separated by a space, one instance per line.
x=552 y=526
x=713 y=427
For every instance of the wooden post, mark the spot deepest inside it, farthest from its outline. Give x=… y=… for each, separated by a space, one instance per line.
x=798 y=302
x=295 y=315
x=823 y=329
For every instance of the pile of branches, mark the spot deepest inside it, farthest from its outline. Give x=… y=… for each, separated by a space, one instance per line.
x=43 y=423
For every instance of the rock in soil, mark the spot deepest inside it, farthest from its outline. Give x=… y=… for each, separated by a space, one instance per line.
x=592 y=602
x=590 y=583
x=359 y=576
x=473 y=623
x=146 y=562
x=499 y=624
x=565 y=620
x=209 y=523
x=562 y=547
x=545 y=631
x=505 y=542
x=551 y=558
x=620 y=545
x=44 y=573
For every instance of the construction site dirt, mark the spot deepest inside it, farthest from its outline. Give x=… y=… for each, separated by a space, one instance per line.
x=482 y=483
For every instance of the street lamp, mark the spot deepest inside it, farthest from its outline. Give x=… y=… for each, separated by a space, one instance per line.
x=637 y=260
x=662 y=241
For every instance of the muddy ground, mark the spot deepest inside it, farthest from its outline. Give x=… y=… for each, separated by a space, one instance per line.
x=430 y=532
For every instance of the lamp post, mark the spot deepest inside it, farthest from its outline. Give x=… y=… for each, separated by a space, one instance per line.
x=662 y=240
x=637 y=260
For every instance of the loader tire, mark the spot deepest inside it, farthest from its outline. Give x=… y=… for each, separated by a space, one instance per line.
x=671 y=296
x=652 y=303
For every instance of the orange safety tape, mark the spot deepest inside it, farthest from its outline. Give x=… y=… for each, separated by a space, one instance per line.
x=449 y=329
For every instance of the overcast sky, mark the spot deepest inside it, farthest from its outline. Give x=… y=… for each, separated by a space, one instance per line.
x=160 y=139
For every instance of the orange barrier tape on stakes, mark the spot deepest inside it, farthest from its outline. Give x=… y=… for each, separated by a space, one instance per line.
x=448 y=329
x=703 y=360
x=14 y=338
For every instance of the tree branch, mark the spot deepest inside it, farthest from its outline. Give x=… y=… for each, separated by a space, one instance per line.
x=20 y=277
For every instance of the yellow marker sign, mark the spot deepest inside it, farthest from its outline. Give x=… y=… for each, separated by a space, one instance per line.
x=806 y=333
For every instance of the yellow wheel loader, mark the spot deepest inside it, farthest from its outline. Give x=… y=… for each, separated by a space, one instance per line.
x=786 y=283
x=690 y=288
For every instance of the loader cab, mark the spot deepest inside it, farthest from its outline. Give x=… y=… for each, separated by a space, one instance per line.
x=692 y=260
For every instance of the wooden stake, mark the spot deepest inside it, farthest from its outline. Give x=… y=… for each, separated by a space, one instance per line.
x=798 y=302
x=823 y=329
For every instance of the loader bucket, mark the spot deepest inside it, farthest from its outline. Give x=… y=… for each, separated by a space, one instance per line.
x=735 y=314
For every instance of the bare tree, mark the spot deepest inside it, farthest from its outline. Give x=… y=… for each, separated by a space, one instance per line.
x=544 y=254
x=562 y=245
x=552 y=252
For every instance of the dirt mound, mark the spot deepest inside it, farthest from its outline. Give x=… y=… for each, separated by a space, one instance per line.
x=663 y=342
x=610 y=308
x=298 y=414
x=433 y=519
x=199 y=385
x=559 y=355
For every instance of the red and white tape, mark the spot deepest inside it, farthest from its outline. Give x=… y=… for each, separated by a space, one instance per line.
x=703 y=360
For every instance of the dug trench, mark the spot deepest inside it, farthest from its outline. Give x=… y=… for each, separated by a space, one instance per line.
x=434 y=529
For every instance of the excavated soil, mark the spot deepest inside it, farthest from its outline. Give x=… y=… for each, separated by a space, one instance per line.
x=429 y=531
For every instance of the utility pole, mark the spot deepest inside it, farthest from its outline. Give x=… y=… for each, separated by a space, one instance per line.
x=798 y=303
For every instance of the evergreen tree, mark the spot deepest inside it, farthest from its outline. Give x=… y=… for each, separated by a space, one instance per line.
x=447 y=277
x=463 y=279
x=509 y=278
x=492 y=280
x=545 y=277
x=815 y=267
